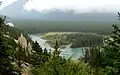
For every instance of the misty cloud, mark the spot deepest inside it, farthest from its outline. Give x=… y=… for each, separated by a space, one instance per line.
x=64 y=5
x=77 y=5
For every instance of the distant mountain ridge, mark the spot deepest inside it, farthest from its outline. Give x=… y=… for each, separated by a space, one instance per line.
x=16 y=11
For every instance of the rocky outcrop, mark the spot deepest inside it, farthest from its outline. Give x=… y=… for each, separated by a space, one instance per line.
x=26 y=45
x=26 y=69
x=29 y=48
x=22 y=41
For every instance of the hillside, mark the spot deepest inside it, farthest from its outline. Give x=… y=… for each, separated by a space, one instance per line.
x=39 y=26
x=11 y=41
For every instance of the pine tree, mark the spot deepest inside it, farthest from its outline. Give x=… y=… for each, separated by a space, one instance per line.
x=36 y=47
x=112 y=51
x=5 y=61
x=37 y=56
x=2 y=53
x=56 y=59
x=56 y=51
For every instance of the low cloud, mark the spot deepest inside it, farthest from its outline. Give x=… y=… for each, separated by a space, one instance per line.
x=77 y=5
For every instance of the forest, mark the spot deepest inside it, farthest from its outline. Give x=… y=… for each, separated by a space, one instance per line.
x=77 y=39
x=41 y=26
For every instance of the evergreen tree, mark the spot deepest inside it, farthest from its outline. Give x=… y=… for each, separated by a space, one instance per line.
x=56 y=51
x=5 y=61
x=112 y=51
x=45 y=55
x=37 y=56
x=36 y=47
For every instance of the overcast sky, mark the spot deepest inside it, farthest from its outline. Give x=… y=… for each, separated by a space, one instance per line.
x=77 y=5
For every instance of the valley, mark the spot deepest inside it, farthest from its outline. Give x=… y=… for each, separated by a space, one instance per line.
x=59 y=37
x=66 y=52
x=71 y=44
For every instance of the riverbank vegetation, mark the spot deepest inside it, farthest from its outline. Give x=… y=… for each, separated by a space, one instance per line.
x=77 y=39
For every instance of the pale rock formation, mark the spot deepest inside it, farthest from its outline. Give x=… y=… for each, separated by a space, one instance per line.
x=26 y=69
x=29 y=48
x=22 y=41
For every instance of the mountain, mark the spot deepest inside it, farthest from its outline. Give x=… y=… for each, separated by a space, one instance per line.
x=16 y=11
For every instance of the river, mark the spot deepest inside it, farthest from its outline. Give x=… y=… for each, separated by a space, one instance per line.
x=74 y=53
